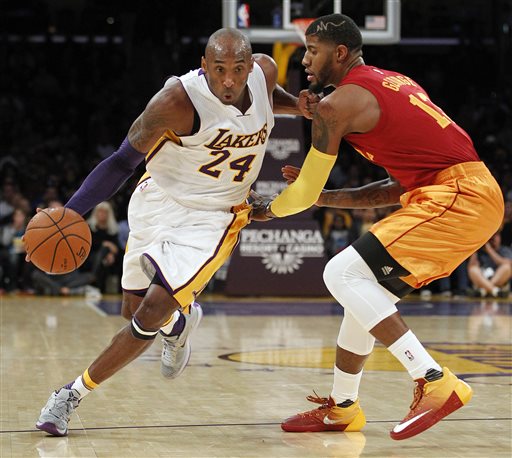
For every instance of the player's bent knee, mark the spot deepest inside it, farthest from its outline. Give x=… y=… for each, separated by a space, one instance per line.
x=130 y=304
x=336 y=271
x=346 y=267
x=140 y=332
x=156 y=308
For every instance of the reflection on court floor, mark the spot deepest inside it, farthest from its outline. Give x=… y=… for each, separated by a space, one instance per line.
x=253 y=363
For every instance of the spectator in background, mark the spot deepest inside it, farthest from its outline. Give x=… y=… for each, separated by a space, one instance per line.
x=50 y=197
x=105 y=258
x=364 y=218
x=506 y=230
x=12 y=255
x=75 y=283
x=124 y=231
x=336 y=230
x=456 y=284
x=7 y=201
x=490 y=268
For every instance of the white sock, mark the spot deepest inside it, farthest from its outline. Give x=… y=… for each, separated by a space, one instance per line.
x=79 y=386
x=413 y=356
x=345 y=386
x=168 y=327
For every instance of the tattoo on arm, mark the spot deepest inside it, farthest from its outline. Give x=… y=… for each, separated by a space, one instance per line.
x=146 y=130
x=134 y=134
x=374 y=195
x=320 y=132
x=166 y=110
x=380 y=198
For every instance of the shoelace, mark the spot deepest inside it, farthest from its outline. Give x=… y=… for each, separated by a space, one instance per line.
x=60 y=405
x=324 y=402
x=170 y=351
x=418 y=394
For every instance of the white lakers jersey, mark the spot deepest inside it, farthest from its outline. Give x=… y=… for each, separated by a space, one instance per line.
x=214 y=168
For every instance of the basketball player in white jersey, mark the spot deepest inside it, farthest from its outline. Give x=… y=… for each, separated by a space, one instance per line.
x=203 y=136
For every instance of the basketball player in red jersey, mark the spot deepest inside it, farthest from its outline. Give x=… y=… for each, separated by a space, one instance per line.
x=451 y=205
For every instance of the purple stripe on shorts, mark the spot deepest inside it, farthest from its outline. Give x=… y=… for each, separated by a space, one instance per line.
x=160 y=274
x=136 y=292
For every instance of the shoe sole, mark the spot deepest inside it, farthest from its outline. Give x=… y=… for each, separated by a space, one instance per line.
x=313 y=429
x=356 y=425
x=460 y=396
x=50 y=428
x=187 y=345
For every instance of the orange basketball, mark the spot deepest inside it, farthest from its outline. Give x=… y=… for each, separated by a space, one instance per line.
x=57 y=240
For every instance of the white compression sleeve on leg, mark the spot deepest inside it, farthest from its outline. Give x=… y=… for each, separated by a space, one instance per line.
x=353 y=337
x=352 y=283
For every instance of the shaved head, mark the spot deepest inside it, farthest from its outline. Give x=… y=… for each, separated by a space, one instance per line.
x=228 y=42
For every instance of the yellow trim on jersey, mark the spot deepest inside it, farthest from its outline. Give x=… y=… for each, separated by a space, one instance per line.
x=304 y=192
x=169 y=135
x=88 y=382
x=144 y=177
x=186 y=293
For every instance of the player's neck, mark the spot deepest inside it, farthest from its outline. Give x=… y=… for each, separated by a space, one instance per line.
x=244 y=102
x=357 y=61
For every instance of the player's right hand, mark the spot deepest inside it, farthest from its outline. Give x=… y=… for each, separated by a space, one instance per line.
x=290 y=173
x=308 y=103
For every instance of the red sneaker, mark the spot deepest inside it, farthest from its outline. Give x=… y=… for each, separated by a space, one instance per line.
x=432 y=402
x=327 y=417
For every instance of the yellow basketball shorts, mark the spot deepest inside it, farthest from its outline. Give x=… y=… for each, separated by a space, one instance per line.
x=441 y=225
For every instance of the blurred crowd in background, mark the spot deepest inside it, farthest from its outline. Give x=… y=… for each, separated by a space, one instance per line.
x=73 y=80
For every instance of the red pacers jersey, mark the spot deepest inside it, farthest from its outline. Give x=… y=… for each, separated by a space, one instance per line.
x=413 y=139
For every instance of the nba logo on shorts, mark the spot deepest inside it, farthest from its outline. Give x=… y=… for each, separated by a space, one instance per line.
x=143 y=186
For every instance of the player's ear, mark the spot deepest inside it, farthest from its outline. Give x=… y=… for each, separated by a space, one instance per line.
x=251 y=64
x=203 y=64
x=341 y=53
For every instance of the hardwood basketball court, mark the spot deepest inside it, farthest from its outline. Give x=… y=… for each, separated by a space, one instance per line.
x=253 y=363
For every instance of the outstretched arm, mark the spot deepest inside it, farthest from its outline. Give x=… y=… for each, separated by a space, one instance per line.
x=303 y=105
x=378 y=194
x=348 y=109
x=282 y=101
x=304 y=192
x=168 y=109
x=383 y=193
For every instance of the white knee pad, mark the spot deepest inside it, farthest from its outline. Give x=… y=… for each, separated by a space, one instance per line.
x=353 y=337
x=352 y=283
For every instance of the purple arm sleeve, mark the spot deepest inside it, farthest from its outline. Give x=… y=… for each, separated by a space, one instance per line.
x=106 y=178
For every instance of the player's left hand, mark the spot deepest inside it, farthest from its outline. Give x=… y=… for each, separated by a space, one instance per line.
x=290 y=173
x=308 y=103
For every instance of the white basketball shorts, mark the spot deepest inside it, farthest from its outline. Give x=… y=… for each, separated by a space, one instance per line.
x=183 y=245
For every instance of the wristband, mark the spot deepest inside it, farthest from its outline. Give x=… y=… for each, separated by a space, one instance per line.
x=268 y=211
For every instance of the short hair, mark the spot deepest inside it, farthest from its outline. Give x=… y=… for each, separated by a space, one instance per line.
x=338 y=29
x=221 y=37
